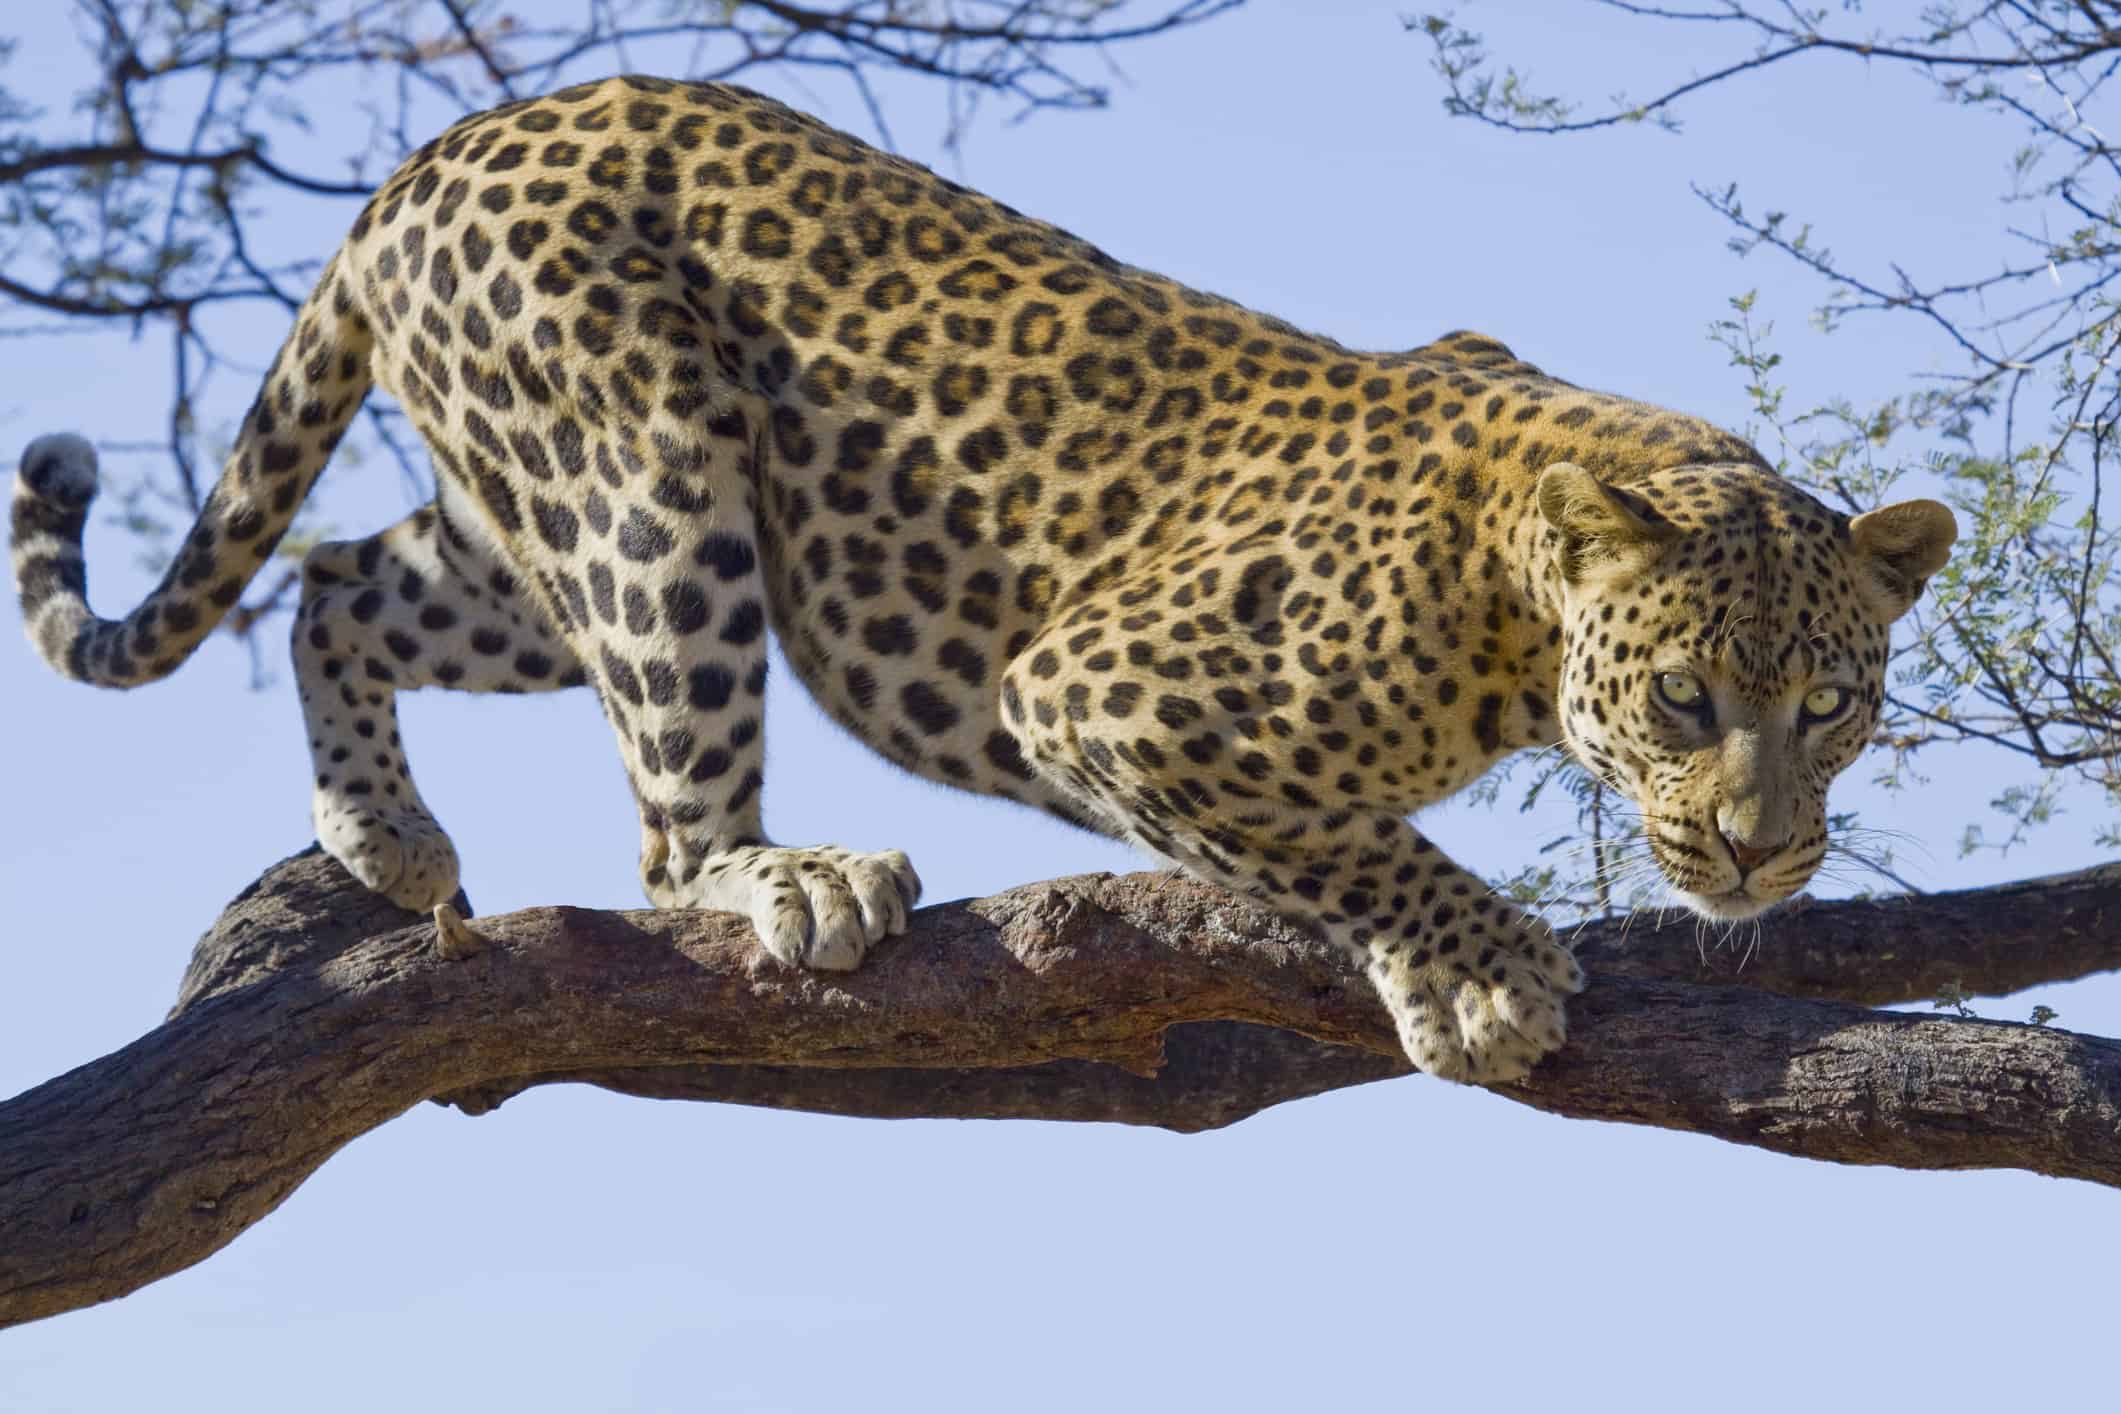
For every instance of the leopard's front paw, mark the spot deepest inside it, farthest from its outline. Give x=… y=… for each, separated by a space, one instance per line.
x=1486 y=1019
x=400 y=852
x=822 y=907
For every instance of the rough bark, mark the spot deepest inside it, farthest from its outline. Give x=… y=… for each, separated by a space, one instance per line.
x=314 y=1012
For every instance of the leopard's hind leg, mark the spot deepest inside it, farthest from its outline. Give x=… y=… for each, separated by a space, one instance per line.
x=413 y=606
x=668 y=616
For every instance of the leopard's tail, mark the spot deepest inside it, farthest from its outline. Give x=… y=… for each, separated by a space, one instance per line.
x=313 y=389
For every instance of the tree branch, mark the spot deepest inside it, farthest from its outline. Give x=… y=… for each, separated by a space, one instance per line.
x=1986 y=942
x=139 y=154
x=314 y=1011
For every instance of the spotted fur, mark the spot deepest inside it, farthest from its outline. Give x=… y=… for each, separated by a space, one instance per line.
x=1026 y=520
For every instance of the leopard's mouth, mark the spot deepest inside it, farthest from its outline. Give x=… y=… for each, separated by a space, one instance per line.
x=1692 y=879
x=1732 y=906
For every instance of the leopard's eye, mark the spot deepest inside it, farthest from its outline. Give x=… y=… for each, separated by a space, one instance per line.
x=1683 y=690
x=1823 y=704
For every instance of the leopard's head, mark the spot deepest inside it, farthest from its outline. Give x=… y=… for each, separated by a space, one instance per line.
x=1725 y=641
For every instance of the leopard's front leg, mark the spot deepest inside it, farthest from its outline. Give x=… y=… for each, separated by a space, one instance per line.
x=1228 y=781
x=1477 y=988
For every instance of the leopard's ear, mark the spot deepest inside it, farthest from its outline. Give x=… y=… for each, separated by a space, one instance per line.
x=1601 y=526
x=1901 y=546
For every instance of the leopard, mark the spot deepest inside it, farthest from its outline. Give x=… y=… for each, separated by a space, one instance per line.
x=693 y=367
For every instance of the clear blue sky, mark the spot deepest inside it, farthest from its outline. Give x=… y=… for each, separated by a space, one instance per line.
x=1395 y=1246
